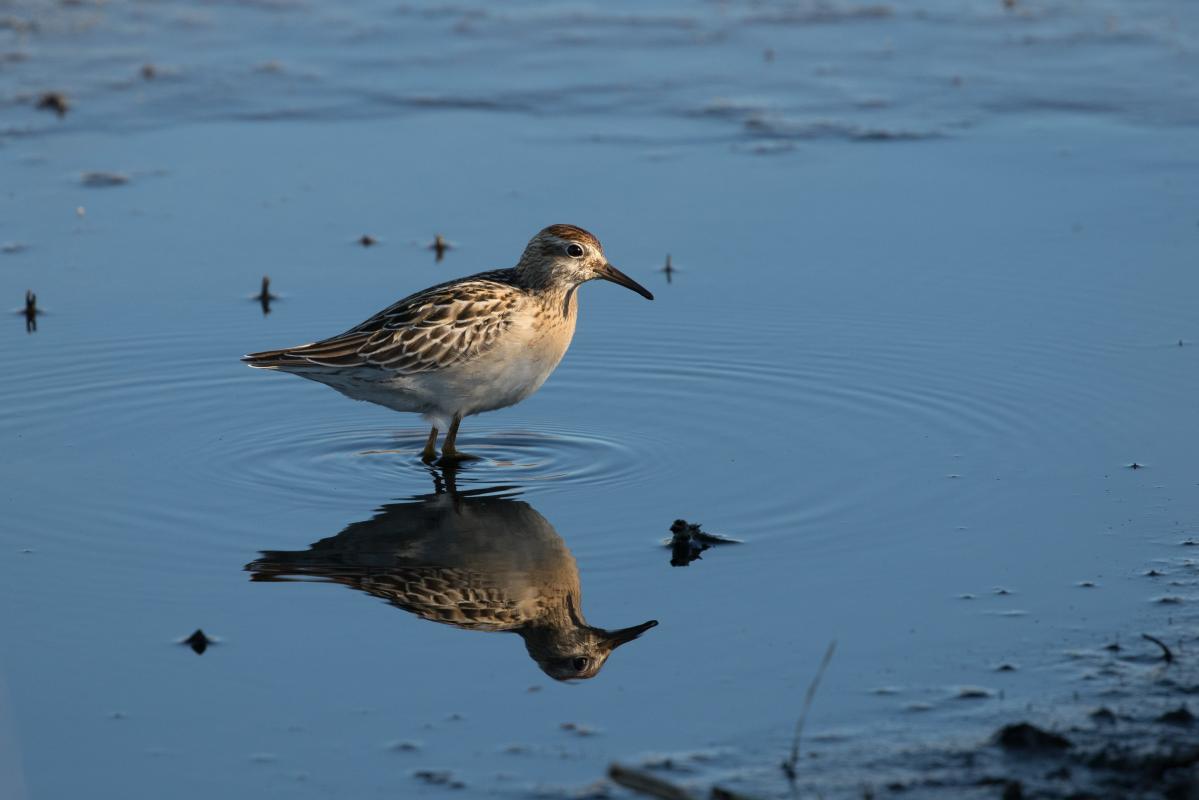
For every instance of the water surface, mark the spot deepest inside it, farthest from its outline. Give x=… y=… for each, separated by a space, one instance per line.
x=935 y=292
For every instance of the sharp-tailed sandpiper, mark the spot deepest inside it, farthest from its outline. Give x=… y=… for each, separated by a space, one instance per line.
x=474 y=344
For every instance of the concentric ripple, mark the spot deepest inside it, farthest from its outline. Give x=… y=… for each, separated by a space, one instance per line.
x=345 y=458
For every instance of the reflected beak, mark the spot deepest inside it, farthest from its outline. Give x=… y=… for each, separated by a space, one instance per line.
x=614 y=639
x=611 y=273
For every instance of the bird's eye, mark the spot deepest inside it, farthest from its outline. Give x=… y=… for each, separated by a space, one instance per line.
x=574 y=251
x=579 y=663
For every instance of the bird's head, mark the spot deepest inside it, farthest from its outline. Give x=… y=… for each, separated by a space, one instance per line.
x=566 y=256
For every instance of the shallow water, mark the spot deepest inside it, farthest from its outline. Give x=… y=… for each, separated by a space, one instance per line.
x=935 y=291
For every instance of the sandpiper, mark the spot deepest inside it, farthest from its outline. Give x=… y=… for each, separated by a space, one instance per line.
x=474 y=344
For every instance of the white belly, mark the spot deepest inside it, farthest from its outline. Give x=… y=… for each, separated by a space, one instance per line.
x=503 y=376
x=523 y=357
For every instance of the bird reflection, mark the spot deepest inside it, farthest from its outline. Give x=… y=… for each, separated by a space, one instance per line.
x=479 y=560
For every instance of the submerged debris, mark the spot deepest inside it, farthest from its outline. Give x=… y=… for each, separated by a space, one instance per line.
x=54 y=101
x=438 y=777
x=149 y=72
x=103 y=180
x=1029 y=738
x=439 y=246
x=687 y=541
x=578 y=729
x=198 y=641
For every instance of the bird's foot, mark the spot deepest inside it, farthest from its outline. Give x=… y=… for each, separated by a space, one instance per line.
x=452 y=458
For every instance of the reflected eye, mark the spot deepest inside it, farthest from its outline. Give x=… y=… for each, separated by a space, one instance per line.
x=579 y=663
x=574 y=251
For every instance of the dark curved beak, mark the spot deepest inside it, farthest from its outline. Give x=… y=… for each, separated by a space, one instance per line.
x=611 y=273
x=614 y=639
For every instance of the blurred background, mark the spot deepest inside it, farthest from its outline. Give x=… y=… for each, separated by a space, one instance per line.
x=926 y=349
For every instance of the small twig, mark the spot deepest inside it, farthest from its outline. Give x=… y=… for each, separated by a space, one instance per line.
x=31 y=311
x=265 y=297
x=439 y=246
x=790 y=766
x=265 y=294
x=1166 y=653
x=642 y=782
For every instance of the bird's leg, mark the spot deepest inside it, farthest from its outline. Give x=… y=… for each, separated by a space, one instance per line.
x=430 y=452
x=449 y=453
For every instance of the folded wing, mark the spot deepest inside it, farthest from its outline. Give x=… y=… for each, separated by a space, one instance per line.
x=437 y=328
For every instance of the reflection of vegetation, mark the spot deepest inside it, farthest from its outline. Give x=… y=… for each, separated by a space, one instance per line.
x=478 y=560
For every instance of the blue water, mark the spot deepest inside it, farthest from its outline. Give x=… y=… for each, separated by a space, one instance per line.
x=934 y=265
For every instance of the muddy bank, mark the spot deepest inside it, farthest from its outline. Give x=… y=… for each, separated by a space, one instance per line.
x=1129 y=730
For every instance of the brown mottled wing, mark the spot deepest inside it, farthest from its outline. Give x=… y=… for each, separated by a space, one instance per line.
x=451 y=596
x=445 y=325
x=457 y=597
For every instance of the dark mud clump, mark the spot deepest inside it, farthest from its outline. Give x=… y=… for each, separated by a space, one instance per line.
x=688 y=540
x=1179 y=716
x=199 y=642
x=1029 y=738
x=54 y=101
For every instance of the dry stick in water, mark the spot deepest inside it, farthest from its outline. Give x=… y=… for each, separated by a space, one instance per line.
x=790 y=766
x=642 y=782
x=725 y=794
